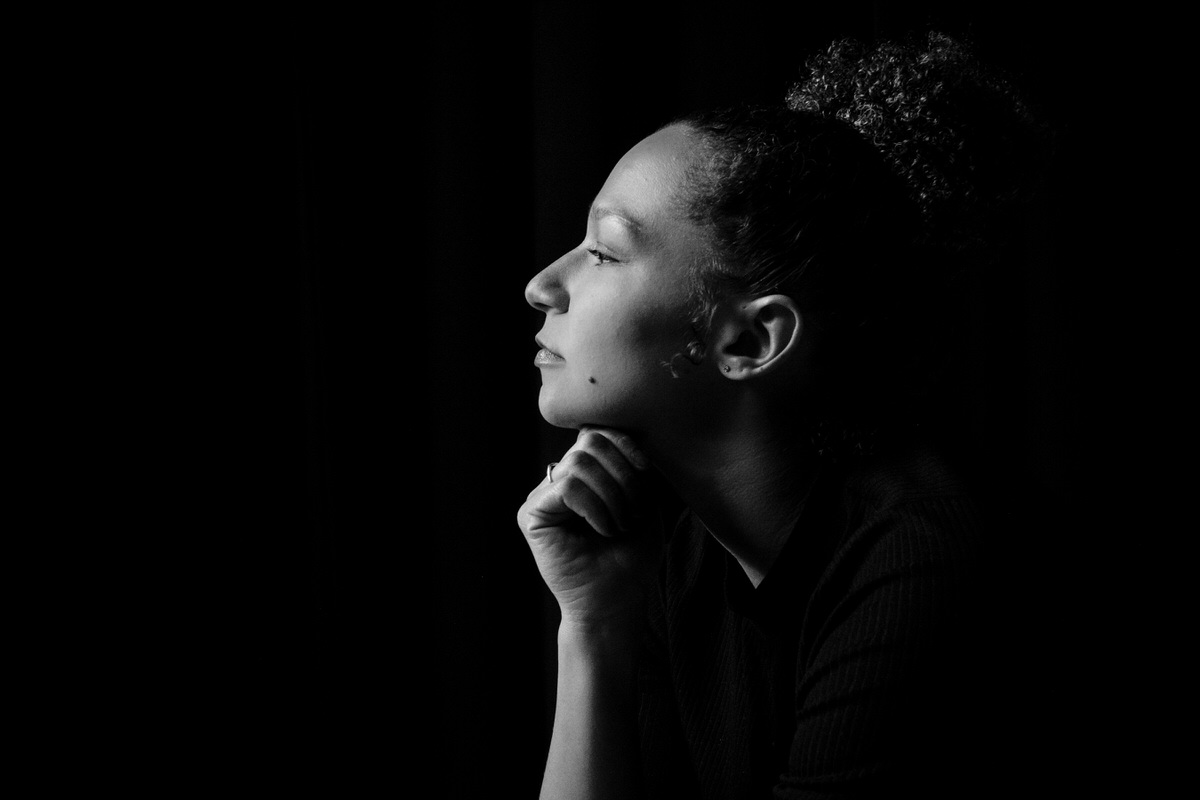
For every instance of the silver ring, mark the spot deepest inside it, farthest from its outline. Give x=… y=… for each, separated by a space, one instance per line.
x=549 y=468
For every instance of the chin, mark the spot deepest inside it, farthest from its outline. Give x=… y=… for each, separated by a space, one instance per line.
x=561 y=413
x=612 y=404
x=562 y=422
x=556 y=414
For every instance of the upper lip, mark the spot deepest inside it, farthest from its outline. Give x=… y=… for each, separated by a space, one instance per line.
x=542 y=345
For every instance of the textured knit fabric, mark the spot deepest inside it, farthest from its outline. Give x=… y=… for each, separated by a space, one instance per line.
x=850 y=671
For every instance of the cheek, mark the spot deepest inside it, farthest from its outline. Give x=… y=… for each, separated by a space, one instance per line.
x=649 y=326
x=621 y=379
x=633 y=349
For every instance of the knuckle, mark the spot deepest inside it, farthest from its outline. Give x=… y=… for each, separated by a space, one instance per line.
x=619 y=438
x=577 y=461
x=571 y=486
x=589 y=438
x=611 y=440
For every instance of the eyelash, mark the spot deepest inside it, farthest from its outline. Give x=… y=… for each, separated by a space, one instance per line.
x=603 y=258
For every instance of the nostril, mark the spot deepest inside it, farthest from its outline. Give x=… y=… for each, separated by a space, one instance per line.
x=535 y=295
x=545 y=291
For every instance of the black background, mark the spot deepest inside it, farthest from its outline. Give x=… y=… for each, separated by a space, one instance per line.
x=318 y=410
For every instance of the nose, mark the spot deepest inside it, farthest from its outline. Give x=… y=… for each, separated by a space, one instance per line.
x=546 y=291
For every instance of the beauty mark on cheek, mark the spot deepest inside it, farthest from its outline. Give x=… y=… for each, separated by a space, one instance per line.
x=591 y=379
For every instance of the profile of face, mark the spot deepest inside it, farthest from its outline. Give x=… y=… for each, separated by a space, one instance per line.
x=616 y=305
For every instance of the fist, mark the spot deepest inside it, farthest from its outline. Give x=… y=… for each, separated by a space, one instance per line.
x=593 y=546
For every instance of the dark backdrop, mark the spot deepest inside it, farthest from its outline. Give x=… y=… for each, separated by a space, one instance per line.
x=342 y=211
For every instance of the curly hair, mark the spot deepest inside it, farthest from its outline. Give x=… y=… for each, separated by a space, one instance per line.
x=856 y=197
x=956 y=131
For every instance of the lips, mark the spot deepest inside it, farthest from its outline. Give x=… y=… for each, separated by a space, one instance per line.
x=545 y=356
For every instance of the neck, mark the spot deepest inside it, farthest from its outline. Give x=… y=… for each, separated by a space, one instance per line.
x=746 y=485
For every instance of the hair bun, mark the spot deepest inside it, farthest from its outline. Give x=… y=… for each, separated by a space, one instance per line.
x=954 y=130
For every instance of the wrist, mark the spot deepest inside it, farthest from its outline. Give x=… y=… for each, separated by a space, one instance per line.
x=590 y=635
x=599 y=654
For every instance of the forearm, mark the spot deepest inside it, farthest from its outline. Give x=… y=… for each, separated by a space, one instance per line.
x=594 y=745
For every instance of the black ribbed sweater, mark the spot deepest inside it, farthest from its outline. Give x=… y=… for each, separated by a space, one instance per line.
x=852 y=670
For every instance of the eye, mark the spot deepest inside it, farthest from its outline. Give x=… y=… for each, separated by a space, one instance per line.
x=601 y=257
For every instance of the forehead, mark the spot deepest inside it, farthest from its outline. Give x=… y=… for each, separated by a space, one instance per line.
x=642 y=187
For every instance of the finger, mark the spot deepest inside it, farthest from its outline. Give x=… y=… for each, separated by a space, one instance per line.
x=586 y=468
x=622 y=441
x=585 y=503
x=581 y=486
x=612 y=451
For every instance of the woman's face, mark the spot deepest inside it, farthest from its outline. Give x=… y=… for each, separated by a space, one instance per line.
x=616 y=306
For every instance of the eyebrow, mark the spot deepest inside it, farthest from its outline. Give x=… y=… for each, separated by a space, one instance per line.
x=598 y=211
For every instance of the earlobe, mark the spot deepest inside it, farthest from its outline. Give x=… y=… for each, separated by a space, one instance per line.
x=752 y=336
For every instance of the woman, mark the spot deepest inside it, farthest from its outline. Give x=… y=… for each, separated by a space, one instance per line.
x=747 y=321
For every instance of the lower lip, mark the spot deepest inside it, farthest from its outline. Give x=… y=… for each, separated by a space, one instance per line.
x=545 y=358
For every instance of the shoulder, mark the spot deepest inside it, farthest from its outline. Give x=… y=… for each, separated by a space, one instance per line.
x=909 y=489
x=904 y=520
x=901 y=475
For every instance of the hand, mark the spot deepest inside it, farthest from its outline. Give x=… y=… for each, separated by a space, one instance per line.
x=594 y=551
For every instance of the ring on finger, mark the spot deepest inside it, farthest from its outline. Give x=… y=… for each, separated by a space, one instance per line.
x=550 y=471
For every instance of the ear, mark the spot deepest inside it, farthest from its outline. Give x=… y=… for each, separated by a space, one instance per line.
x=751 y=336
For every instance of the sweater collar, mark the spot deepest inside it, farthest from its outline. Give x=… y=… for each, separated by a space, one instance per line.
x=792 y=578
